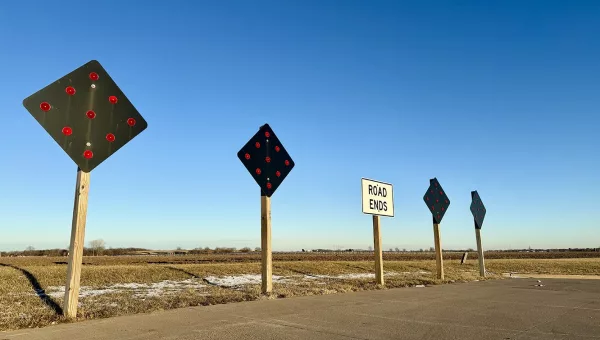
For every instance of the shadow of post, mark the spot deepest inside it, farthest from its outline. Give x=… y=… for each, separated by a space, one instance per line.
x=184 y=271
x=39 y=291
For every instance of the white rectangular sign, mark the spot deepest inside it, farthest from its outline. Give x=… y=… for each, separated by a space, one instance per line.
x=377 y=198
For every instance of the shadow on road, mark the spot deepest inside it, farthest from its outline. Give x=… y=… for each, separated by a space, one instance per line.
x=39 y=291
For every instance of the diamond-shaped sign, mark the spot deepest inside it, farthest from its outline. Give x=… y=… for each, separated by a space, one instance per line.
x=266 y=159
x=437 y=201
x=477 y=209
x=87 y=115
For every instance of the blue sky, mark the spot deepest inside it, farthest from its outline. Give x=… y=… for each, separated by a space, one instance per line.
x=498 y=97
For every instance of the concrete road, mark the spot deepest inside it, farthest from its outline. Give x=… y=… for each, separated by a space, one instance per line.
x=506 y=309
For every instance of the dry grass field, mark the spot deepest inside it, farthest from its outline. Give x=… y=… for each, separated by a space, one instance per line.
x=31 y=288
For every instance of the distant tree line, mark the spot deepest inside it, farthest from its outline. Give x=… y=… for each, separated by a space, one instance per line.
x=97 y=248
x=221 y=250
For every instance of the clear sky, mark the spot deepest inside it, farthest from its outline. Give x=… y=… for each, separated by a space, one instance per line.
x=500 y=97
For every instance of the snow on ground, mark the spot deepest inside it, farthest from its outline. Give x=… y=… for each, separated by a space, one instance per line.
x=141 y=290
x=145 y=290
x=244 y=279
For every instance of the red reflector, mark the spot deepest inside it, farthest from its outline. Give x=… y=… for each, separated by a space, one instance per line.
x=110 y=137
x=67 y=131
x=88 y=154
x=267 y=134
x=278 y=174
x=91 y=114
x=131 y=122
x=257 y=144
x=269 y=185
x=94 y=76
x=268 y=159
x=45 y=107
x=277 y=148
x=113 y=99
x=287 y=163
x=70 y=90
x=247 y=156
x=258 y=172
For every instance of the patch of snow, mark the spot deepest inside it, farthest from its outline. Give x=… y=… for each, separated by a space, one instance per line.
x=139 y=289
x=420 y=286
x=240 y=280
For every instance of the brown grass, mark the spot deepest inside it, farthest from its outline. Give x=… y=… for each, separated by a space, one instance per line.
x=22 y=308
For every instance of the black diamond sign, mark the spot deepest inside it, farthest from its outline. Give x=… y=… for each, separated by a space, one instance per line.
x=436 y=200
x=87 y=115
x=266 y=159
x=477 y=209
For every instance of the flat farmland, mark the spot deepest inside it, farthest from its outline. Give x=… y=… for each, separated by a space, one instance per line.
x=32 y=288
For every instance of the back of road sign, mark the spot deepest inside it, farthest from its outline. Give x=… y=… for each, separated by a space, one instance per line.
x=377 y=198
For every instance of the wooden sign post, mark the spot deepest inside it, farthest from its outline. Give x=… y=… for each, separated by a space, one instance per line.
x=439 y=260
x=77 y=244
x=480 y=253
x=377 y=200
x=478 y=211
x=438 y=202
x=90 y=118
x=378 y=251
x=269 y=164
x=265 y=240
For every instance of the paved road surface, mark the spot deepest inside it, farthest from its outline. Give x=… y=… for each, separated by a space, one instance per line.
x=506 y=309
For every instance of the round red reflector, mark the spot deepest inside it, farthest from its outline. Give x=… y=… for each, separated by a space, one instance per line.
x=70 y=90
x=447 y=202
x=277 y=148
x=91 y=114
x=94 y=76
x=112 y=99
x=67 y=131
x=442 y=208
x=258 y=172
x=287 y=163
x=45 y=107
x=267 y=134
x=432 y=207
x=268 y=159
x=257 y=144
x=88 y=154
x=131 y=122
x=247 y=156
x=278 y=174
x=269 y=185
x=441 y=192
x=110 y=137
x=427 y=198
